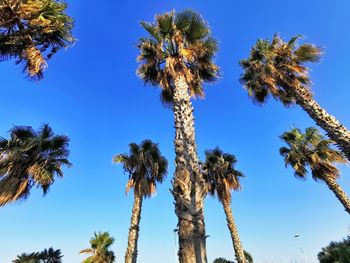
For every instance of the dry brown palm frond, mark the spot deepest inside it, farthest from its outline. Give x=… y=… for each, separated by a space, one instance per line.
x=40 y=174
x=129 y=185
x=152 y=188
x=29 y=8
x=35 y=61
x=12 y=189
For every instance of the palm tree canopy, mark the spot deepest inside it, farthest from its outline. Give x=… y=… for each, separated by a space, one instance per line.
x=145 y=166
x=30 y=158
x=273 y=68
x=27 y=258
x=99 y=248
x=177 y=43
x=220 y=174
x=31 y=31
x=335 y=252
x=51 y=256
x=313 y=150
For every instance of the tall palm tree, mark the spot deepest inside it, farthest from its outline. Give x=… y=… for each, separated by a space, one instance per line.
x=99 y=248
x=30 y=158
x=277 y=68
x=311 y=149
x=31 y=31
x=178 y=56
x=222 y=177
x=146 y=166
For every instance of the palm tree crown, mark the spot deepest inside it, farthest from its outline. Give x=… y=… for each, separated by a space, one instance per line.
x=27 y=258
x=100 y=245
x=51 y=255
x=145 y=166
x=220 y=174
x=313 y=150
x=274 y=68
x=31 y=31
x=30 y=158
x=177 y=43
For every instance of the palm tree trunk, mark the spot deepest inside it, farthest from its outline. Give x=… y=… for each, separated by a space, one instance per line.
x=189 y=188
x=335 y=130
x=237 y=246
x=131 y=251
x=339 y=193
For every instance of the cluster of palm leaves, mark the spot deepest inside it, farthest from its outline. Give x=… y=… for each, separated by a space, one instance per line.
x=30 y=158
x=177 y=55
x=336 y=252
x=32 y=31
x=46 y=256
x=100 y=249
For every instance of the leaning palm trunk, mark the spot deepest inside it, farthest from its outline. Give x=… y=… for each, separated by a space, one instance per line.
x=131 y=251
x=339 y=193
x=234 y=233
x=335 y=130
x=188 y=185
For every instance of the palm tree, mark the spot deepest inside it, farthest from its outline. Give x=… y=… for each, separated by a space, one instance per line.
x=100 y=244
x=32 y=31
x=30 y=158
x=222 y=260
x=27 y=258
x=178 y=56
x=222 y=177
x=311 y=149
x=248 y=257
x=335 y=252
x=51 y=256
x=146 y=166
x=277 y=68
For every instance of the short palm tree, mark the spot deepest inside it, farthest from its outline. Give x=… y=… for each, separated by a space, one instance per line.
x=27 y=258
x=51 y=256
x=100 y=249
x=30 y=158
x=277 y=68
x=178 y=56
x=222 y=177
x=311 y=149
x=335 y=252
x=31 y=31
x=146 y=167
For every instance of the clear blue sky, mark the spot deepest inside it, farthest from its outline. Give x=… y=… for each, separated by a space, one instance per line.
x=91 y=94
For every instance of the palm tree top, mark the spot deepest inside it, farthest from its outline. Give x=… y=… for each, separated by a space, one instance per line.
x=32 y=31
x=177 y=44
x=30 y=158
x=311 y=149
x=273 y=67
x=99 y=248
x=145 y=166
x=220 y=174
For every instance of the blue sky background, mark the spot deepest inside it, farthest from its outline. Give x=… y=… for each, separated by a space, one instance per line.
x=91 y=94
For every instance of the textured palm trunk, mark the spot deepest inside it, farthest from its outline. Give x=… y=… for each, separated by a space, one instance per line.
x=131 y=251
x=335 y=130
x=339 y=193
x=237 y=246
x=189 y=188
